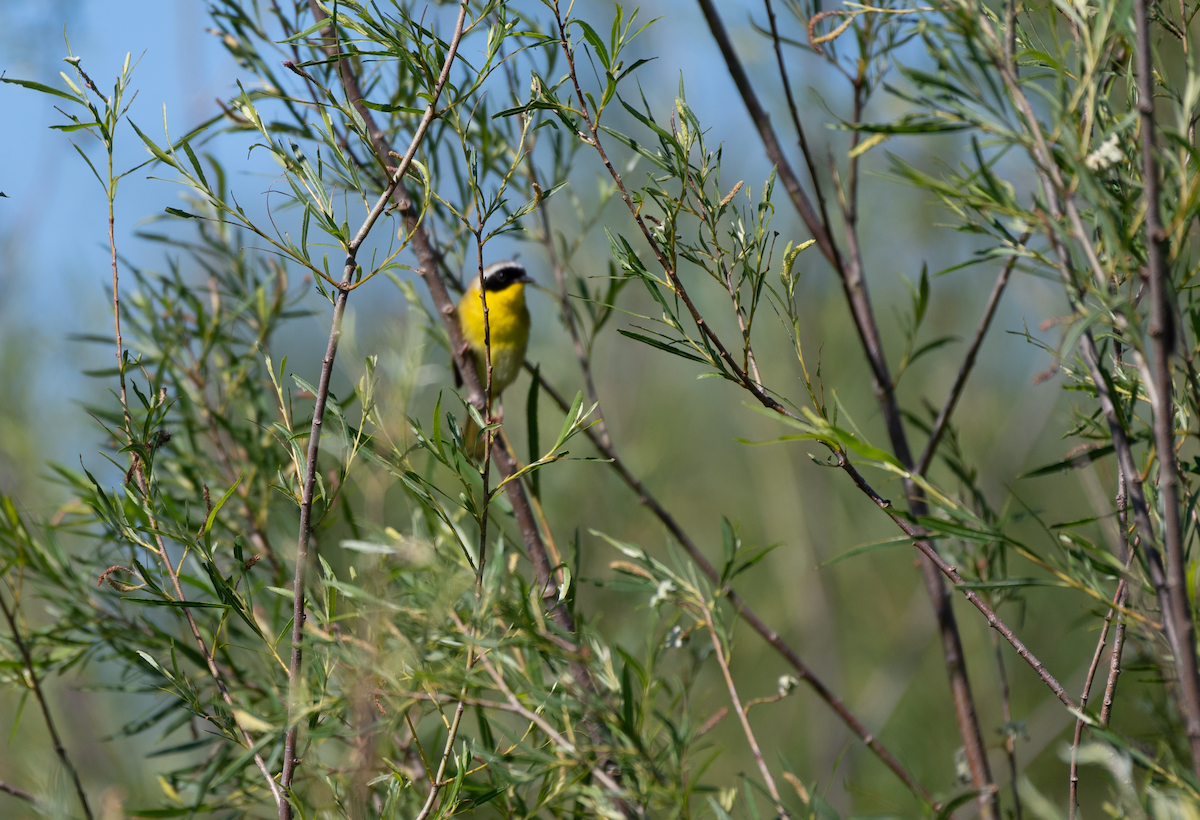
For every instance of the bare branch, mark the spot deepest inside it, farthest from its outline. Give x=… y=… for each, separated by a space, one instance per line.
x=1178 y=617
x=960 y=381
x=787 y=92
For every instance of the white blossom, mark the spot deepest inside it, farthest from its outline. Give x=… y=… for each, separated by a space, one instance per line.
x=1105 y=156
x=665 y=588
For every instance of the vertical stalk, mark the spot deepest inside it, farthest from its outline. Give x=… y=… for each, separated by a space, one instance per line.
x=723 y=662
x=1177 y=613
x=1010 y=739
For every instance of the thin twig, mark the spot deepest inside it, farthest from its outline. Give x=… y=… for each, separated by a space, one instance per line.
x=1162 y=332
x=795 y=113
x=1073 y=789
x=17 y=792
x=1010 y=736
x=489 y=438
x=741 y=713
x=55 y=740
x=1114 y=669
x=322 y=397
x=960 y=381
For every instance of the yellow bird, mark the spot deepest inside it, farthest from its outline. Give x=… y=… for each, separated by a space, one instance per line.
x=508 y=326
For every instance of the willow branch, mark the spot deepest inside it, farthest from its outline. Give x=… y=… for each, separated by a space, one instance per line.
x=322 y=397
x=1162 y=332
x=771 y=403
x=960 y=381
x=548 y=577
x=137 y=472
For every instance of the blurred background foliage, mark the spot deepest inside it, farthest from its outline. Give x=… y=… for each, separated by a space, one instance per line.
x=864 y=624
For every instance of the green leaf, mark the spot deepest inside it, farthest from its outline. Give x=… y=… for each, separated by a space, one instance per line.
x=45 y=89
x=179 y=604
x=958 y=802
x=1078 y=460
x=665 y=346
x=212 y=514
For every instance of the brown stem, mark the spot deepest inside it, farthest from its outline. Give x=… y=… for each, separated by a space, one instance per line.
x=960 y=381
x=36 y=686
x=322 y=397
x=1177 y=611
x=1010 y=738
x=1118 y=600
x=787 y=92
x=17 y=792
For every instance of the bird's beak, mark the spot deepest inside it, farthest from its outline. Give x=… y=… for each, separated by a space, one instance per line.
x=527 y=280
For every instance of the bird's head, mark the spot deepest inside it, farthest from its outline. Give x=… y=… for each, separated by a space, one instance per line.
x=500 y=275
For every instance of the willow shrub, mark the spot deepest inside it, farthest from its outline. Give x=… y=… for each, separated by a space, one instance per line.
x=450 y=666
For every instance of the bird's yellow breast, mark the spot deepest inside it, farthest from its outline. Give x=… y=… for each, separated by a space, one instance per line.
x=508 y=326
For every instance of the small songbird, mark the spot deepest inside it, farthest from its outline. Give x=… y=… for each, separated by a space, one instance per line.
x=508 y=326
